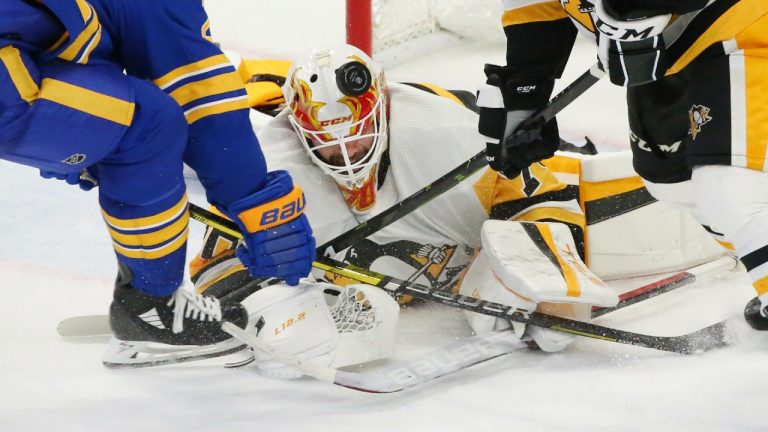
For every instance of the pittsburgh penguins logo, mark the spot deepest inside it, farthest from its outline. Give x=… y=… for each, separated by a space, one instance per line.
x=698 y=116
x=74 y=159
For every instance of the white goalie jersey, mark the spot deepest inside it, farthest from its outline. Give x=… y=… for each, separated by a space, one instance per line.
x=429 y=135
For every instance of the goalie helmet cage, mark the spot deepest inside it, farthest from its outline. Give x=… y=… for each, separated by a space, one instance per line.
x=393 y=31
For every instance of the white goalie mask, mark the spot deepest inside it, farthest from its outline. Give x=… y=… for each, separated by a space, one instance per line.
x=338 y=103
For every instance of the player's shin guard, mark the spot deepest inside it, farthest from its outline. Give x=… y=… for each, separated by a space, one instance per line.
x=735 y=201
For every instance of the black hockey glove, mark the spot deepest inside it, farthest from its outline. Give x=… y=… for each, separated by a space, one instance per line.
x=630 y=45
x=505 y=101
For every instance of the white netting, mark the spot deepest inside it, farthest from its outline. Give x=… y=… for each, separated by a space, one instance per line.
x=398 y=21
x=352 y=311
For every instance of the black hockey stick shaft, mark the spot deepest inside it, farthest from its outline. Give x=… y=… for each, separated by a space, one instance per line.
x=458 y=174
x=702 y=340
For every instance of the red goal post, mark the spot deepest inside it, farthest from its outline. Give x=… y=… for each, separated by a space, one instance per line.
x=359 y=22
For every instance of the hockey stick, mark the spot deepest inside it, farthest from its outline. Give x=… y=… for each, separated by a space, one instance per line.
x=702 y=340
x=401 y=375
x=705 y=339
x=98 y=325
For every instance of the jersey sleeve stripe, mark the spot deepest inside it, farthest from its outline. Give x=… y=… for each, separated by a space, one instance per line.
x=192 y=69
x=217 y=107
x=90 y=47
x=91 y=29
x=20 y=76
x=210 y=86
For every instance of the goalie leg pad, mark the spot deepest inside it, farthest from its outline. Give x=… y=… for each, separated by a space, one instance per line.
x=481 y=282
x=532 y=267
x=539 y=262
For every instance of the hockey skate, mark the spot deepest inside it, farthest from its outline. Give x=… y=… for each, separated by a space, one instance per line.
x=756 y=315
x=151 y=331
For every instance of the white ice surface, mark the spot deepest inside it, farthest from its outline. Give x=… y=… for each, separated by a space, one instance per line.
x=56 y=261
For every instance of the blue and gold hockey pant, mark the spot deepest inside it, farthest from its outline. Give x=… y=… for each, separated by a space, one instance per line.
x=126 y=130
x=62 y=116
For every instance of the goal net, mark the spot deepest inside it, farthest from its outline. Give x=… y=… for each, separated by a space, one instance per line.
x=398 y=28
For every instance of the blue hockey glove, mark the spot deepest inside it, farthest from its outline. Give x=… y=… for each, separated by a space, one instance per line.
x=85 y=179
x=505 y=101
x=277 y=235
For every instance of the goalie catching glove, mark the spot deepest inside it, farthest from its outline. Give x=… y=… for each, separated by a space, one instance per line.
x=505 y=101
x=356 y=326
x=278 y=238
x=533 y=267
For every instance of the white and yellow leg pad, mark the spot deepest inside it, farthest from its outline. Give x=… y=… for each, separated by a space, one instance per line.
x=533 y=265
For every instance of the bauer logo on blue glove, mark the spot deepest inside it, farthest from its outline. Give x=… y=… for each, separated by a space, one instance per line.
x=277 y=235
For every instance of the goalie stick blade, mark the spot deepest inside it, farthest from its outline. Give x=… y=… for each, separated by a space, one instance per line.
x=84 y=326
x=397 y=377
x=442 y=361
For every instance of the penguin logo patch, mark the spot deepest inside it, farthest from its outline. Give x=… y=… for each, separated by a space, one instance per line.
x=698 y=116
x=75 y=159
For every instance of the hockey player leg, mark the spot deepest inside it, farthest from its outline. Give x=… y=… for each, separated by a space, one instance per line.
x=144 y=205
x=533 y=266
x=735 y=200
x=297 y=322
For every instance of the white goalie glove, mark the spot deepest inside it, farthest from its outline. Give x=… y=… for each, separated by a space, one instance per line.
x=303 y=323
x=533 y=267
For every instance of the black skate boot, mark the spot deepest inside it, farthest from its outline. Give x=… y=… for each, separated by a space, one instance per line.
x=756 y=315
x=185 y=326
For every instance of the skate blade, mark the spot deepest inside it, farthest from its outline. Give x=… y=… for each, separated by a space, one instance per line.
x=244 y=359
x=133 y=354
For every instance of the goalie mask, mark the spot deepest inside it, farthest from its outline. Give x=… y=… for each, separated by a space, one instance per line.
x=337 y=99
